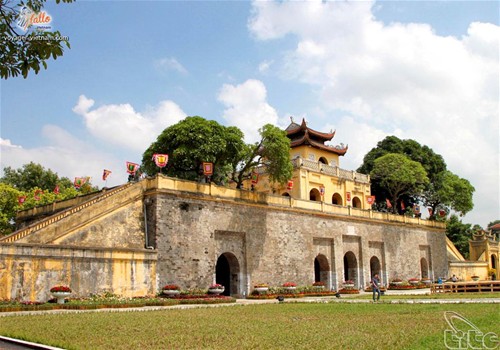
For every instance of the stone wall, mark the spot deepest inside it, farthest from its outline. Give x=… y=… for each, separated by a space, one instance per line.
x=275 y=245
x=27 y=272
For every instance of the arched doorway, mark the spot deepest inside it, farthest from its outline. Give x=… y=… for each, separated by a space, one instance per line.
x=227 y=272
x=494 y=266
x=350 y=267
x=285 y=194
x=375 y=267
x=321 y=269
x=314 y=195
x=424 y=268
x=323 y=160
x=356 y=202
x=337 y=199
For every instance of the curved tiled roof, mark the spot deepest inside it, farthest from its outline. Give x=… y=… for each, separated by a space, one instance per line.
x=302 y=135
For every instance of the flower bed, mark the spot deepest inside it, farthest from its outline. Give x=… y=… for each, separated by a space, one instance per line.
x=110 y=301
x=349 y=291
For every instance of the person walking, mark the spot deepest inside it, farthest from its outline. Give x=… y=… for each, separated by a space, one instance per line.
x=375 y=282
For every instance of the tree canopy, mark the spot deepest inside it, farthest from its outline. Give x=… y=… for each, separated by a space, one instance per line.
x=195 y=140
x=460 y=234
x=23 y=50
x=191 y=142
x=398 y=175
x=37 y=186
x=443 y=191
x=273 y=151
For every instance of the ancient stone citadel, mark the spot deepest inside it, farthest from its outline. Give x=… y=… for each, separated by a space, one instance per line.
x=133 y=239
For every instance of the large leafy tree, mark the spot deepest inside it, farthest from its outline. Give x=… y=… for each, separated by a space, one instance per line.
x=191 y=142
x=8 y=207
x=444 y=191
x=195 y=140
x=31 y=176
x=460 y=234
x=448 y=191
x=398 y=175
x=24 y=51
x=272 y=151
x=37 y=186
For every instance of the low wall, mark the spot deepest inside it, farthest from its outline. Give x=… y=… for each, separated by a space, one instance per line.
x=27 y=272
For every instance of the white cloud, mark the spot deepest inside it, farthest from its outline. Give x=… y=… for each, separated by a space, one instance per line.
x=170 y=64
x=121 y=125
x=400 y=79
x=7 y=143
x=247 y=108
x=67 y=156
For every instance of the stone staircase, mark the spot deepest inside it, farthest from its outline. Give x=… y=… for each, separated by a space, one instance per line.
x=48 y=230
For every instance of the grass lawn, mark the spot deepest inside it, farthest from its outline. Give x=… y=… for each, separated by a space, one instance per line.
x=264 y=326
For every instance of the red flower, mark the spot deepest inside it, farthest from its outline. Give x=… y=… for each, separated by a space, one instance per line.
x=289 y=284
x=171 y=287
x=60 y=289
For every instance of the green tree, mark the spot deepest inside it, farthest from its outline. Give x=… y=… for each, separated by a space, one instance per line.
x=8 y=207
x=460 y=234
x=21 y=52
x=444 y=191
x=448 y=191
x=191 y=142
x=273 y=152
x=33 y=175
x=399 y=175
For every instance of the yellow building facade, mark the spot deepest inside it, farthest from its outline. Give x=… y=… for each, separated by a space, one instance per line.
x=317 y=175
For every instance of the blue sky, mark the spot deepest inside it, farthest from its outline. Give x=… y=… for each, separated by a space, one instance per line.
x=419 y=70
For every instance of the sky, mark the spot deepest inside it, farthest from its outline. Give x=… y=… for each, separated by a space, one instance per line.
x=421 y=70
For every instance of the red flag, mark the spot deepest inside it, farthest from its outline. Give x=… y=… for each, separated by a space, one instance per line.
x=255 y=178
x=105 y=174
x=370 y=199
x=208 y=168
x=21 y=199
x=289 y=185
x=160 y=160
x=80 y=181
x=348 y=196
x=388 y=203
x=56 y=190
x=442 y=212
x=322 y=190
x=403 y=205
x=132 y=167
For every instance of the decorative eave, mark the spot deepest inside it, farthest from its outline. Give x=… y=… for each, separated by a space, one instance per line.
x=306 y=140
x=294 y=129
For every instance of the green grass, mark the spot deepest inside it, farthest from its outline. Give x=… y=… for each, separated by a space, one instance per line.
x=265 y=326
x=388 y=297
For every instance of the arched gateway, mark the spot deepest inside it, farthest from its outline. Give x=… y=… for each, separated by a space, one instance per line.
x=227 y=271
x=351 y=267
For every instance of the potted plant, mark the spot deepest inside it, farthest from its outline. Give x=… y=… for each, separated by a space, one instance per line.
x=171 y=289
x=426 y=280
x=261 y=287
x=319 y=284
x=349 y=284
x=475 y=278
x=289 y=285
x=60 y=293
x=413 y=280
x=397 y=281
x=216 y=288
